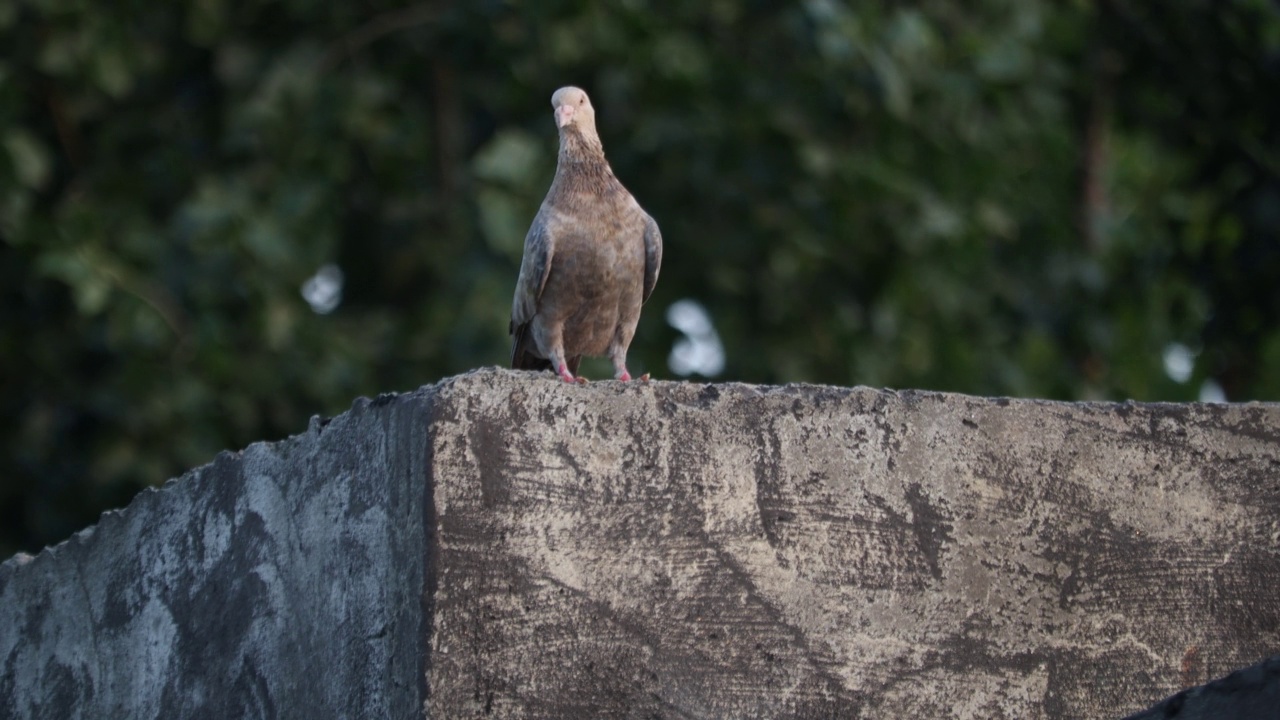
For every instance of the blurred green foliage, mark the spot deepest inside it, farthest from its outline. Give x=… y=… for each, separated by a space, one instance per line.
x=1017 y=197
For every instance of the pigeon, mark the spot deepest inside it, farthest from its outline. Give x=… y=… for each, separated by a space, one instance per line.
x=591 y=258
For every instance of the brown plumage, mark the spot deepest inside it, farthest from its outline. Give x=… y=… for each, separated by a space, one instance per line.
x=591 y=257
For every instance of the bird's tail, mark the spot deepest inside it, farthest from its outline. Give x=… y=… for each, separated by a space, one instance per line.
x=521 y=356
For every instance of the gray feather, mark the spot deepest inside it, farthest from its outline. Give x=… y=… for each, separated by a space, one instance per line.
x=652 y=257
x=539 y=247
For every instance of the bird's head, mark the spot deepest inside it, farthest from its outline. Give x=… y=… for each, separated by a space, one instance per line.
x=573 y=110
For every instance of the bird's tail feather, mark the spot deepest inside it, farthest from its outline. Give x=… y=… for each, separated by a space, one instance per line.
x=521 y=357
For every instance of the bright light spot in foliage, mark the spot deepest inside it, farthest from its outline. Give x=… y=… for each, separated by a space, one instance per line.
x=1212 y=392
x=1179 y=362
x=700 y=350
x=323 y=291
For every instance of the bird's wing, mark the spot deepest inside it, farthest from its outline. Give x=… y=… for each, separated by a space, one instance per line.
x=652 y=256
x=539 y=248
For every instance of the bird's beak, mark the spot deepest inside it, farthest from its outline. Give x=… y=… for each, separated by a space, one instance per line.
x=564 y=115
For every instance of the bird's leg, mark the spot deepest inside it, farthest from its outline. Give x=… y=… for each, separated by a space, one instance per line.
x=567 y=376
x=620 y=367
x=562 y=369
x=619 y=358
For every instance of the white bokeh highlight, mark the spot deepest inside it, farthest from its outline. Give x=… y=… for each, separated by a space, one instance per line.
x=700 y=350
x=1179 y=362
x=1212 y=392
x=323 y=291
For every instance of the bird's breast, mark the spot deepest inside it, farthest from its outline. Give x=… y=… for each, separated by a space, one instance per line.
x=596 y=282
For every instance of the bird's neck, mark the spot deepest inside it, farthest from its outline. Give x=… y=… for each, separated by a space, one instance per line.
x=581 y=149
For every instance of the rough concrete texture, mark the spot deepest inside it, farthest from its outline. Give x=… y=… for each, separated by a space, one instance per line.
x=681 y=550
x=282 y=581
x=505 y=545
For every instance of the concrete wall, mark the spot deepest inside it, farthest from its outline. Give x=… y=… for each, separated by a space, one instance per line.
x=282 y=581
x=504 y=545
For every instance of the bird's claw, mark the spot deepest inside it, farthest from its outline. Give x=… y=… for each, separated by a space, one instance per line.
x=625 y=376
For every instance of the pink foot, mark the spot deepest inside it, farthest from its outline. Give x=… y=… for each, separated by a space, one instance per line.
x=566 y=375
x=625 y=376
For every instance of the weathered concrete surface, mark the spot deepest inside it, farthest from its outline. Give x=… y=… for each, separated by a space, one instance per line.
x=680 y=550
x=504 y=545
x=282 y=581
